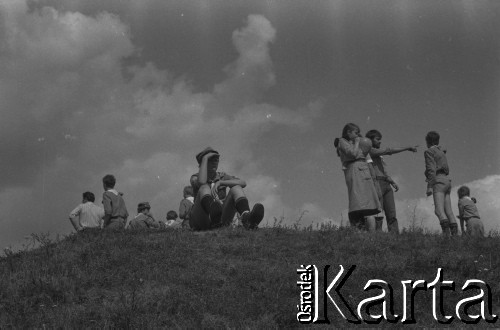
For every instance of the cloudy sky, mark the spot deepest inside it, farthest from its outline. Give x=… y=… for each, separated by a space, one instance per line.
x=137 y=88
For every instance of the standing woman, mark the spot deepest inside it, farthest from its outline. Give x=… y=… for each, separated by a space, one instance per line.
x=363 y=198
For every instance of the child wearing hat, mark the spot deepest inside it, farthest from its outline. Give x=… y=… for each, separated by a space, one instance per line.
x=218 y=196
x=144 y=218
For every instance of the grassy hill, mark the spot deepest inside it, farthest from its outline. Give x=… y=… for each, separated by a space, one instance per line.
x=226 y=278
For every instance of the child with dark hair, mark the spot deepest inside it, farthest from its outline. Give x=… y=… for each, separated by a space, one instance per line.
x=439 y=184
x=87 y=214
x=144 y=219
x=186 y=205
x=385 y=182
x=115 y=211
x=468 y=213
x=362 y=191
x=215 y=206
x=172 y=219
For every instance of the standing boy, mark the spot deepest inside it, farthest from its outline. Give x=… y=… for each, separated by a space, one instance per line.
x=213 y=205
x=385 y=182
x=439 y=184
x=87 y=214
x=115 y=211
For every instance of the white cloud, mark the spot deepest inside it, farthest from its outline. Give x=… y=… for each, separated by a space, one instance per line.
x=63 y=80
x=252 y=73
x=419 y=212
x=485 y=190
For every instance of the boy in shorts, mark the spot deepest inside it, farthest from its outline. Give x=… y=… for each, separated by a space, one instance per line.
x=215 y=206
x=439 y=184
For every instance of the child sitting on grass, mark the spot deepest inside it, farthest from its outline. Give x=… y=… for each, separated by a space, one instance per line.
x=186 y=205
x=172 y=221
x=469 y=214
x=144 y=218
x=214 y=206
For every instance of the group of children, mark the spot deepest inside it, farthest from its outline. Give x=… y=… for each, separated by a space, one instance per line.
x=216 y=199
x=370 y=188
x=211 y=201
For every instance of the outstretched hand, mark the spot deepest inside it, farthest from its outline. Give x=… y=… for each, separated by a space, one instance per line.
x=413 y=149
x=394 y=186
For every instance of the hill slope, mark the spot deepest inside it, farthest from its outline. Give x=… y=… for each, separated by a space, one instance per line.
x=226 y=278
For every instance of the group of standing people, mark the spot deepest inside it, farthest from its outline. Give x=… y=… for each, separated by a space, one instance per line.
x=371 y=189
x=211 y=201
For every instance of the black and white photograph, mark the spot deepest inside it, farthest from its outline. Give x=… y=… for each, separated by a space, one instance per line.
x=249 y=163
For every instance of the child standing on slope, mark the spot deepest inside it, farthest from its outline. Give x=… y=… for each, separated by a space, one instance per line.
x=439 y=184
x=385 y=182
x=87 y=214
x=362 y=192
x=468 y=213
x=115 y=211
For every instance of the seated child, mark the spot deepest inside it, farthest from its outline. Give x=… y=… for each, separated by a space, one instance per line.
x=468 y=213
x=218 y=196
x=172 y=220
x=144 y=218
x=186 y=205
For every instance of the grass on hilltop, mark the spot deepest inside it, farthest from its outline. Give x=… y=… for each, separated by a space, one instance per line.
x=225 y=278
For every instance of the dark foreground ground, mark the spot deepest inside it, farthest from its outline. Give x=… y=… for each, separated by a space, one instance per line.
x=235 y=278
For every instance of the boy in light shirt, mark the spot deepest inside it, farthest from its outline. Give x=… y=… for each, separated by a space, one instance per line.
x=87 y=214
